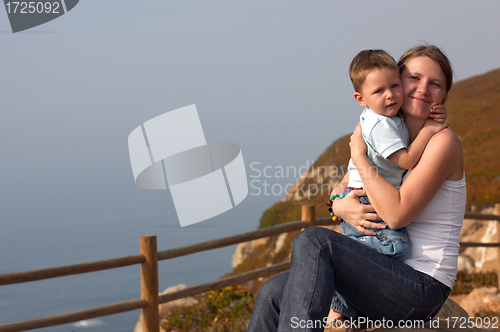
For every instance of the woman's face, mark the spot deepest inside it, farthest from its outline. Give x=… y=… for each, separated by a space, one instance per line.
x=424 y=85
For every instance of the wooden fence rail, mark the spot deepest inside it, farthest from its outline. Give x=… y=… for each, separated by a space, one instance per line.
x=14 y=278
x=149 y=258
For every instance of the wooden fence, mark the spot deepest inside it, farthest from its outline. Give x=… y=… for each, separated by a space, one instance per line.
x=149 y=258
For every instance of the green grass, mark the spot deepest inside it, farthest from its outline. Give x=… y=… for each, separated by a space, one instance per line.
x=279 y=213
x=225 y=310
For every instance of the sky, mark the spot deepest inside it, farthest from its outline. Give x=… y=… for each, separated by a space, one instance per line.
x=268 y=76
x=271 y=77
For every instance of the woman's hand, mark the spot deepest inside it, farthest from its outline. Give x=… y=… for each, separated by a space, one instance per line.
x=356 y=214
x=357 y=144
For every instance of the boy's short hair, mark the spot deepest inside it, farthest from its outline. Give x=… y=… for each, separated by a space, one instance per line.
x=367 y=60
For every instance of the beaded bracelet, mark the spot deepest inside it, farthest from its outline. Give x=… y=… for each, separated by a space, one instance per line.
x=329 y=204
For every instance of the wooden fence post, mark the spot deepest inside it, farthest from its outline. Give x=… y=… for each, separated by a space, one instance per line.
x=308 y=214
x=149 y=284
x=496 y=211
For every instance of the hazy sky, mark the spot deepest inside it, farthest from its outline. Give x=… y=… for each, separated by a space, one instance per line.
x=270 y=76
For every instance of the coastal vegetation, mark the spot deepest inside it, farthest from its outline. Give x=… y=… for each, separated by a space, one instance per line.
x=474 y=114
x=225 y=310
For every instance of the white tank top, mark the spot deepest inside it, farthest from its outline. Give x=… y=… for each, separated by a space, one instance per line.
x=435 y=233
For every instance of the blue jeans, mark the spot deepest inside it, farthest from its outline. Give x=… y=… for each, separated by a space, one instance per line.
x=324 y=261
x=393 y=243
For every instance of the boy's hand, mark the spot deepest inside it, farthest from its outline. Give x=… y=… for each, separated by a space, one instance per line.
x=439 y=113
x=434 y=127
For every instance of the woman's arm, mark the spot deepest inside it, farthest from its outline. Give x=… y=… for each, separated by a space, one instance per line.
x=442 y=157
x=351 y=209
x=340 y=188
x=408 y=158
x=356 y=214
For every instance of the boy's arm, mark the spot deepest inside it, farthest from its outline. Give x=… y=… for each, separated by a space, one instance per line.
x=408 y=158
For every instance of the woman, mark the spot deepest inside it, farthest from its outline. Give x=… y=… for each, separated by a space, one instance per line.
x=430 y=203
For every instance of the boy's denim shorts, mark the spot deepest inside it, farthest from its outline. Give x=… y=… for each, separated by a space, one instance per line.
x=393 y=243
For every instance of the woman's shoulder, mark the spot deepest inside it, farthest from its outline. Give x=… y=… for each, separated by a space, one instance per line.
x=445 y=147
x=445 y=139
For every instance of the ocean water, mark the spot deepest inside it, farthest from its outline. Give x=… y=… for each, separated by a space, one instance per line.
x=74 y=89
x=51 y=243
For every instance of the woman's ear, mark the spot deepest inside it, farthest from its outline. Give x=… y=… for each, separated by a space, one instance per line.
x=445 y=98
x=359 y=98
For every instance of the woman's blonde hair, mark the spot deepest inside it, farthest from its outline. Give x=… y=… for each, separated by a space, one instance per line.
x=435 y=54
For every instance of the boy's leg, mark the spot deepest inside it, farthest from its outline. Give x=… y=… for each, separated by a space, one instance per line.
x=390 y=242
x=340 y=305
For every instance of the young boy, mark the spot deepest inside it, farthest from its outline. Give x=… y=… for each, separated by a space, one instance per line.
x=378 y=88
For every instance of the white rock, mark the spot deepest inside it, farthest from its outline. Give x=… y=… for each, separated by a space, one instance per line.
x=484 y=298
x=280 y=242
x=244 y=249
x=166 y=309
x=466 y=263
x=479 y=259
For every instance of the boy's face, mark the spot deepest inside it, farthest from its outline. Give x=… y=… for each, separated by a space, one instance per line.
x=381 y=91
